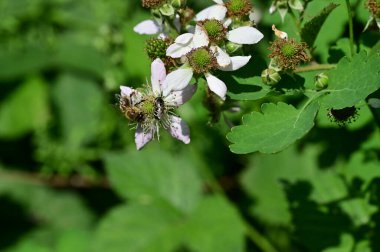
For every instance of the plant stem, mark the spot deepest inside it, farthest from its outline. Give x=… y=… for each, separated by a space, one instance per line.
x=351 y=27
x=314 y=68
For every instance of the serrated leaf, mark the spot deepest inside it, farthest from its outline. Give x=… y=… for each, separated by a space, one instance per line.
x=155 y=227
x=246 y=89
x=273 y=130
x=352 y=81
x=311 y=29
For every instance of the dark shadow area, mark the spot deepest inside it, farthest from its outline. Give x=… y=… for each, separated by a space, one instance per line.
x=14 y=222
x=316 y=227
x=338 y=142
x=374 y=189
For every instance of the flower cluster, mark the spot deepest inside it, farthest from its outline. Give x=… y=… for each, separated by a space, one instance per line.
x=187 y=46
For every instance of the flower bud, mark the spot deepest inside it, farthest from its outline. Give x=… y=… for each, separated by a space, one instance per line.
x=321 y=81
x=178 y=3
x=232 y=47
x=167 y=10
x=270 y=77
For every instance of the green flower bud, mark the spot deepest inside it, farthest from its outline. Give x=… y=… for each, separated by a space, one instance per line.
x=270 y=77
x=232 y=47
x=178 y=3
x=167 y=10
x=321 y=81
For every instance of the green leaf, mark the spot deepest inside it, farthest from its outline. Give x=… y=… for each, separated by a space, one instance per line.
x=273 y=130
x=156 y=227
x=154 y=174
x=352 y=81
x=311 y=29
x=246 y=88
x=25 y=109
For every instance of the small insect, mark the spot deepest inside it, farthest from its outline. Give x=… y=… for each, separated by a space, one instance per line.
x=159 y=108
x=130 y=111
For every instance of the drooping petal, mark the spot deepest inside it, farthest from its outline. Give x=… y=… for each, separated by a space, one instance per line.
x=177 y=98
x=222 y=57
x=177 y=80
x=216 y=11
x=131 y=94
x=148 y=27
x=158 y=75
x=179 y=129
x=217 y=86
x=142 y=138
x=200 y=38
x=237 y=62
x=184 y=38
x=177 y=50
x=245 y=35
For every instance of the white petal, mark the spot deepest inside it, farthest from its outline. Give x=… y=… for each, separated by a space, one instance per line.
x=177 y=80
x=200 y=38
x=131 y=94
x=179 y=129
x=217 y=86
x=218 y=1
x=227 y=23
x=158 y=75
x=222 y=57
x=177 y=98
x=184 y=38
x=237 y=62
x=142 y=138
x=178 y=50
x=126 y=91
x=149 y=27
x=245 y=35
x=216 y=11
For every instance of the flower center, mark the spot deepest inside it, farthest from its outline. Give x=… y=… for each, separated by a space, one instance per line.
x=215 y=30
x=238 y=8
x=201 y=60
x=374 y=7
x=152 y=3
x=288 y=50
x=156 y=48
x=148 y=107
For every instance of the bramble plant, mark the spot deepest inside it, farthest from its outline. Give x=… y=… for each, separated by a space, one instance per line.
x=190 y=126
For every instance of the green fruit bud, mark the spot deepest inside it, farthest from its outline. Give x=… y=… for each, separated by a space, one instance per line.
x=270 y=77
x=232 y=47
x=321 y=81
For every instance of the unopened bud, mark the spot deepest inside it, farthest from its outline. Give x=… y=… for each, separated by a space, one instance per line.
x=321 y=81
x=178 y=3
x=232 y=47
x=270 y=77
x=167 y=10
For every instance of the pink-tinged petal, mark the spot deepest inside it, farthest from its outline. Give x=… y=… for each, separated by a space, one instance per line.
x=158 y=75
x=200 y=38
x=177 y=98
x=217 y=86
x=177 y=50
x=222 y=57
x=184 y=38
x=179 y=129
x=245 y=35
x=131 y=94
x=126 y=91
x=216 y=11
x=142 y=138
x=177 y=80
x=237 y=62
x=148 y=27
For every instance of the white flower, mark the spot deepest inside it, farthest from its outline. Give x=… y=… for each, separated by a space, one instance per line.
x=160 y=101
x=156 y=26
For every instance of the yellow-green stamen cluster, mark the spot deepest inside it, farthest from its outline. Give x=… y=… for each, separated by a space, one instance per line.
x=153 y=4
x=374 y=7
x=201 y=60
x=215 y=30
x=238 y=8
x=289 y=53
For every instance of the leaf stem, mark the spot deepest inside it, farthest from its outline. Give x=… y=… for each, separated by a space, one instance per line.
x=351 y=27
x=315 y=67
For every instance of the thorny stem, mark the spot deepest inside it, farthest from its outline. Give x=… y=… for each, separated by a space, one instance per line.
x=314 y=68
x=351 y=27
x=253 y=234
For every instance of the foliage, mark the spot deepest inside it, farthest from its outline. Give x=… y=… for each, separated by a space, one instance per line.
x=268 y=169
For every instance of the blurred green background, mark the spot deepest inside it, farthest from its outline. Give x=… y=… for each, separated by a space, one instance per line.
x=71 y=179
